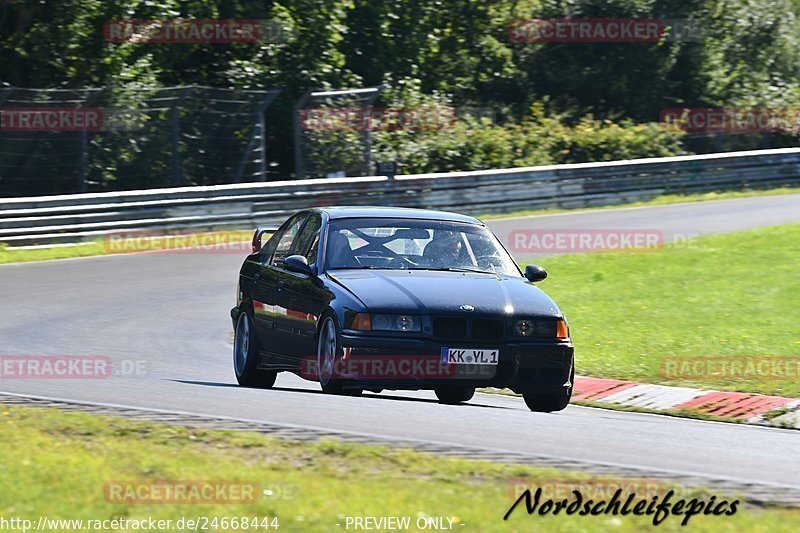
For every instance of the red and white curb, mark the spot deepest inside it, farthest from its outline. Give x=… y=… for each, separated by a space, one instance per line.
x=750 y=408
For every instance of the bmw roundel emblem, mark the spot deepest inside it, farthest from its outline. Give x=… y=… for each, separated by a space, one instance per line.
x=467 y=307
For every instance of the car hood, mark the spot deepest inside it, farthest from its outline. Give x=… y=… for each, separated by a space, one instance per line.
x=436 y=292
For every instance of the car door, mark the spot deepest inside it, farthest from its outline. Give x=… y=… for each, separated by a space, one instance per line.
x=265 y=286
x=300 y=298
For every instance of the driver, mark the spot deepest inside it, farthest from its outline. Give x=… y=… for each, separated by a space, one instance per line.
x=447 y=251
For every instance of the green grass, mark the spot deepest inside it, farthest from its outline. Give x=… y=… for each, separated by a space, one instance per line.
x=56 y=464
x=731 y=295
x=658 y=200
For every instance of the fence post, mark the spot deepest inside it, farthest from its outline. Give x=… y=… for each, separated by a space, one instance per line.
x=83 y=164
x=298 y=153
x=177 y=169
x=258 y=134
x=176 y=138
x=261 y=108
x=262 y=148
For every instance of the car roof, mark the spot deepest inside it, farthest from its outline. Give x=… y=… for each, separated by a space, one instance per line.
x=394 y=212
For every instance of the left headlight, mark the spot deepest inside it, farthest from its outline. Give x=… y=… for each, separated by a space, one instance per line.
x=396 y=323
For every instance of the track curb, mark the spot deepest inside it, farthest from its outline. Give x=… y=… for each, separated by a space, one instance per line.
x=749 y=408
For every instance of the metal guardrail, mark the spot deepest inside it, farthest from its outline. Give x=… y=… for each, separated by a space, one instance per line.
x=80 y=217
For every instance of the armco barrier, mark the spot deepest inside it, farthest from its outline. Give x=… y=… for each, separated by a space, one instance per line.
x=78 y=217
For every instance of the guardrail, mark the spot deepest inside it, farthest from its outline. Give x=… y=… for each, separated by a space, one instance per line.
x=78 y=217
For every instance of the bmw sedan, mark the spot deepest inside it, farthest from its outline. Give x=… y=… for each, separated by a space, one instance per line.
x=375 y=298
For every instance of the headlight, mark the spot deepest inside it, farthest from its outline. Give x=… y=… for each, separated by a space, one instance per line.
x=529 y=327
x=396 y=323
x=524 y=328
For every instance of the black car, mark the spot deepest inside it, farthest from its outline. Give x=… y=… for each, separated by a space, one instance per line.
x=373 y=298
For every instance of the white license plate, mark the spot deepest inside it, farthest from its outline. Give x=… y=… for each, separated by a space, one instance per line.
x=470 y=356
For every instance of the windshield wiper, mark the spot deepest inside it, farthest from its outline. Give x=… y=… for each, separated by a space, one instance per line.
x=364 y=267
x=455 y=269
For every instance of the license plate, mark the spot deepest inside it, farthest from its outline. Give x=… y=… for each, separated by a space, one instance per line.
x=470 y=356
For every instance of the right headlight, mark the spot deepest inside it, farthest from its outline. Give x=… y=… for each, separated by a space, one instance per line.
x=543 y=328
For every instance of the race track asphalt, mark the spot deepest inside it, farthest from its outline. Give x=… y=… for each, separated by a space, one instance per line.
x=168 y=313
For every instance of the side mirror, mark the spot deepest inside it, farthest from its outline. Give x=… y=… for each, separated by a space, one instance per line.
x=297 y=263
x=259 y=234
x=535 y=273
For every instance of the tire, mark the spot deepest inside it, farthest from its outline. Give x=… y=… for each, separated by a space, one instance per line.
x=245 y=356
x=454 y=395
x=548 y=403
x=329 y=352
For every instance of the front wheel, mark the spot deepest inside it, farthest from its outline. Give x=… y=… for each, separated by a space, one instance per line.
x=245 y=356
x=454 y=395
x=547 y=403
x=329 y=355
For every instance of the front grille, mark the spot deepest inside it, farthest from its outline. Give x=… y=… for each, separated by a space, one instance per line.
x=482 y=329
x=486 y=329
x=450 y=328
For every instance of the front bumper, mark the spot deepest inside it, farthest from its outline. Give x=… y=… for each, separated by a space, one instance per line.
x=523 y=367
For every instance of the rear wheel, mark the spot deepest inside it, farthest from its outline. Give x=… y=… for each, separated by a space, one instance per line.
x=547 y=403
x=454 y=395
x=245 y=356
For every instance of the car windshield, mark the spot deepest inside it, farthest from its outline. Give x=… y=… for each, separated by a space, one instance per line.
x=415 y=245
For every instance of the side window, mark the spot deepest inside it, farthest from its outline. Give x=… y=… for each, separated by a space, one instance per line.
x=285 y=240
x=307 y=238
x=311 y=256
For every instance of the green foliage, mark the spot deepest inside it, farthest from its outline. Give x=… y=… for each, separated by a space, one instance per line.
x=601 y=97
x=475 y=144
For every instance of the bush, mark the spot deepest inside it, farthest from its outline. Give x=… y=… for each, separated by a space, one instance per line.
x=475 y=144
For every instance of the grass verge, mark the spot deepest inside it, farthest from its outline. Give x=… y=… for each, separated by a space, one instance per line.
x=658 y=200
x=726 y=296
x=59 y=465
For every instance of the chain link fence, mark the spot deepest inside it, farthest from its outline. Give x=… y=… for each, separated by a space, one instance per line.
x=55 y=141
x=332 y=136
x=61 y=141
